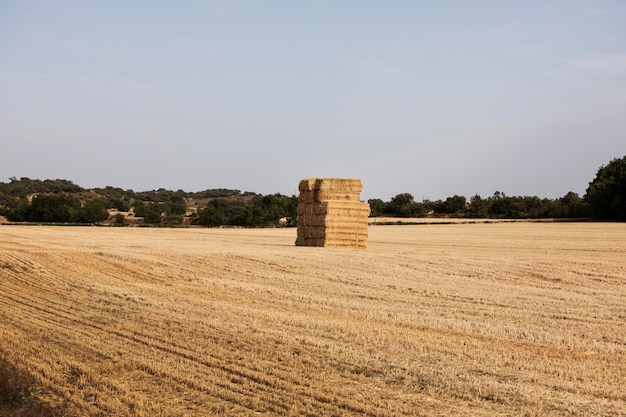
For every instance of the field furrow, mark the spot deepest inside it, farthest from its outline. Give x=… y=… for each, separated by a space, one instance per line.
x=475 y=319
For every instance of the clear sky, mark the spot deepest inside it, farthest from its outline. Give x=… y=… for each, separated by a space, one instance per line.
x=433 y=98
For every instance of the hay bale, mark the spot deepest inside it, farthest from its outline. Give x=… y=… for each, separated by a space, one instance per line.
x=331 y=214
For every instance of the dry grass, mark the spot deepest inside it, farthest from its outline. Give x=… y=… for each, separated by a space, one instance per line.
x=518 y=319
x=20 y=396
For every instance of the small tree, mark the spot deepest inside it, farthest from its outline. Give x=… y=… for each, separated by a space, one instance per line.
x=478 y=206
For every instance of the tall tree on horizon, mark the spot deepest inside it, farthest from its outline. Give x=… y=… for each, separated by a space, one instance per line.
x=606 y=194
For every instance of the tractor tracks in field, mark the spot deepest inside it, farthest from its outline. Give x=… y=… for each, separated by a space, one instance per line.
x=65 y=322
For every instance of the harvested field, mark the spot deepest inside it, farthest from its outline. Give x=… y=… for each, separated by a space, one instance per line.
x=508 y=319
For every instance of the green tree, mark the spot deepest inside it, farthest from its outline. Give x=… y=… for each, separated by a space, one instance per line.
x=214 y=214
x=400 y=205
x=268 y=210
x=54 y=208
x=377 y=207
x=92 y=212
x=532 y=206
x=478 y=207
x=453 y=205
x=606 y=194
x=151 y=211
x=291 y=210
x=176 y=204
x=152 y=215
x=119 y=204
x=576 y=207
x=18 y=209
x=403 y=205
x=498 y=204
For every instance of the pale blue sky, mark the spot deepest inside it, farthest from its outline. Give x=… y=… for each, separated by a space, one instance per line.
x=434 y=98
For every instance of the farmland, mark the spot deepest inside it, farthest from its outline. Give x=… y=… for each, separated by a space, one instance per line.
x=511 y=319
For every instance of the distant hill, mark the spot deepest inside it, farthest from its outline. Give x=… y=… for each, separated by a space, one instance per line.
x=25 y=186
x=60 y=200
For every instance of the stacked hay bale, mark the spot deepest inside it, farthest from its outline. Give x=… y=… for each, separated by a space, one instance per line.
x=331 y=214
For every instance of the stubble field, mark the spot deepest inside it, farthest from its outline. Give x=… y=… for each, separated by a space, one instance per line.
x=505 y=319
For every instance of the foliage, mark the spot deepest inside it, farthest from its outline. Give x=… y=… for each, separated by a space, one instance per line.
x=53 y=208
x=176 y=204
x=403 y=205
x=261 y=211
x=478 y=207
x=452 y=205
x=25 y=186
x=497 y=206
x=215 y=213
x=377 y=207
x=63 y=201
x=150 y=211
x=606 y=194
x=219 y=193
x=116 y=198
x=93 y=211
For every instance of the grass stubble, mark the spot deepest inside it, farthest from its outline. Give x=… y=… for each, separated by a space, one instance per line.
x=520 y=319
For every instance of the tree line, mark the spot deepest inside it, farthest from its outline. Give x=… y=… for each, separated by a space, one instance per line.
x=56 y=208
x=499 y=205
x=61 y=201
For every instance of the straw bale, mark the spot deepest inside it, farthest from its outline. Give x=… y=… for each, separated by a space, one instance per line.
x=307 y=184
x=339 y=184
x=331 y=214
x=306 y=197
x=327 y=195
x=334 y=184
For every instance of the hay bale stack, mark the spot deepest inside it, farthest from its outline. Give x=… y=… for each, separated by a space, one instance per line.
x=331 y=214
